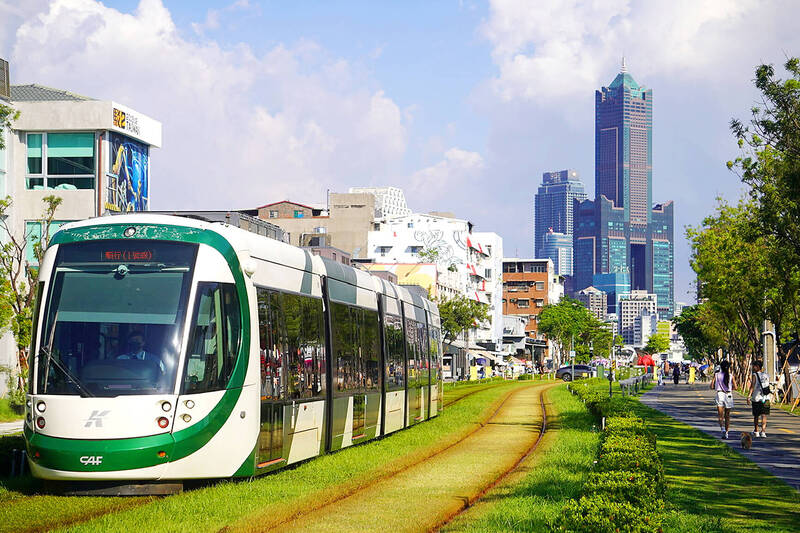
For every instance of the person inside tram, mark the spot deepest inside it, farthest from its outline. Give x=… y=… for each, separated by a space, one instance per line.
x=135 y=349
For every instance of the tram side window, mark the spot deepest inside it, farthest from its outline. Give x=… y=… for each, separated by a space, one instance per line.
x=306 y=354
x=424 y=356
x=272 y=344
x=345 y=346
x=433 y=349
x=370 y=348
x=395 y=367
x=412 y=342
x=214 y=344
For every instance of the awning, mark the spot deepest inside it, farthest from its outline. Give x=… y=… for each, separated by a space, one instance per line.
x=473 y=271
x=478 y=296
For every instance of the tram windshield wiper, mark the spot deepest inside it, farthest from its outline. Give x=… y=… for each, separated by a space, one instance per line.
x=70 y=376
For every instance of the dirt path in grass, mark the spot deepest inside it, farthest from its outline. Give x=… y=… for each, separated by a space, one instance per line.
x=430 y=493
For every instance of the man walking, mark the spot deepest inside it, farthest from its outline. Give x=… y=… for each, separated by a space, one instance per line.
x=759 y=399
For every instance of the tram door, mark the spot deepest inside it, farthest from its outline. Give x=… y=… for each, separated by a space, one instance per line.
x=273 y=351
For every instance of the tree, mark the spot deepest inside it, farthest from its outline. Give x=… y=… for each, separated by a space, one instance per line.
x=19 y=277
x=459 y=314
x=428 y=255
x=563 y=323
x=770 y=159
x=700 y=337
x=657 y=343
x=7 y=115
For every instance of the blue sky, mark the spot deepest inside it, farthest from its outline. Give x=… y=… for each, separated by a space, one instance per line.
x=463 y=104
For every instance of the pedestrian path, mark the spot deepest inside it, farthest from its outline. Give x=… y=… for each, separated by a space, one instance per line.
x=9 y=428
x=779 y=453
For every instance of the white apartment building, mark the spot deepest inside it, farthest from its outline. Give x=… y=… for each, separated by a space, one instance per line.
x=467 y=263
x=93 y=154
x=630 y=307
x=644 y=326
x=389 y=201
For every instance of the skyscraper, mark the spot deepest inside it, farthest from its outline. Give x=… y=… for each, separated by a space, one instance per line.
x=553 y=206
x=619 y=232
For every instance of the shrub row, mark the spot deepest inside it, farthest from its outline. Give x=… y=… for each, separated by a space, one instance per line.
x=625 y=492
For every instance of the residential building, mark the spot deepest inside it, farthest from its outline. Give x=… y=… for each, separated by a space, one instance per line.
x=615 y=285
x=93 y=154
x=595 y=300
x=466 y=262
x=389 y=201
x=553 y=212
x=619 y=232
x=644 y=326
x=631 y=307
x=343 y=225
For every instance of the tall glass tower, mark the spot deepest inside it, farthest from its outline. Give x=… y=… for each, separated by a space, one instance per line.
x=621 y=231
x=553 y=217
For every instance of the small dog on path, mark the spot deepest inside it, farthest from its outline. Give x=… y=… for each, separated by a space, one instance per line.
x=747 y=441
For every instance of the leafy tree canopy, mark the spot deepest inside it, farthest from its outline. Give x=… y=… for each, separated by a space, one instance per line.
x=657 y=343
x=459 y=314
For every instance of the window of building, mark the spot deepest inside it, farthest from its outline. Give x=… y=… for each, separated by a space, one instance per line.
x=539 y=285
x=60 y=160
x=414 y=249
x=273 y=214
x=539 y=302
x=33 y=232
x=410 y=224
x=383 y=250
x=523 y=302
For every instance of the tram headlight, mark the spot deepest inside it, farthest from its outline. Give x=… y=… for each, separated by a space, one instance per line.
x=166 y=407
x=40 y=422
x=163 y=422
x=41 y=406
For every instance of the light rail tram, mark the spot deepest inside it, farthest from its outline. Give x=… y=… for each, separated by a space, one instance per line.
x=168 y=348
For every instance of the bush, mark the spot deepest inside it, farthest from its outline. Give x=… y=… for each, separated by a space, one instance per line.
x=599 y=514
x=630 y=424
x=525 y=377
x=618 y=442
x=636 y=488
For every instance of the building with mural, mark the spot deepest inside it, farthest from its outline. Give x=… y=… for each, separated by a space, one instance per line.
x=93 y=154
x=467 y=262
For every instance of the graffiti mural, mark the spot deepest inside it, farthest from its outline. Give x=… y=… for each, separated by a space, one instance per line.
x=434 y=240
x=128 y=176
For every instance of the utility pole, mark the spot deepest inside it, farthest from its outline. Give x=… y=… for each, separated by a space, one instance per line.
x=768 y=342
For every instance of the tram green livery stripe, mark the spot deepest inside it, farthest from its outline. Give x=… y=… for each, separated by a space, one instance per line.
x=142 y=452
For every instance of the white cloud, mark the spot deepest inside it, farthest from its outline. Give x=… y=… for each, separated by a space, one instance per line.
x=456 y=172
x=240 y=128
x=557 y=50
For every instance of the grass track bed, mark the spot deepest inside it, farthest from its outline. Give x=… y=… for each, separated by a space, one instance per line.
x=534 y=495
x=277 y=495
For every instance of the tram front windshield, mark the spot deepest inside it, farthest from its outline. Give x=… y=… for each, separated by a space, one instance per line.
x=114 y=318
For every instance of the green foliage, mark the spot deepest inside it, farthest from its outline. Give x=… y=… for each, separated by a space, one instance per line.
x=458 y=314
x=600 y=514
x=567 y=323
x=429 y=255
x=700 y=340
x=657 y=343
x=634 y=487
x=7 y=115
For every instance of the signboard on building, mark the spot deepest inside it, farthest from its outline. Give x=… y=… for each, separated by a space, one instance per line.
x=128 y=175
x=134 y=124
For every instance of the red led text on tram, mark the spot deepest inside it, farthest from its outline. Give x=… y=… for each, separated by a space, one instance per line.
x=127 y=255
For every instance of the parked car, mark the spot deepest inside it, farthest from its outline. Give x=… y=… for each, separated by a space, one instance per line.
x=581 y=371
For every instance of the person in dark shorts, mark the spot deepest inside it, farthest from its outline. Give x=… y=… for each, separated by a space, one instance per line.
x=759 y=399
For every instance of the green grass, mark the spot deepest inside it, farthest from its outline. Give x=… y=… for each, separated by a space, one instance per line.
x=534 y=503
x=266 y=498
x=6 y=413
x=713 y=488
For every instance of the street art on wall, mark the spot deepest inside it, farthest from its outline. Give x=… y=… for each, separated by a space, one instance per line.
x=128 y=176
x=434 y=240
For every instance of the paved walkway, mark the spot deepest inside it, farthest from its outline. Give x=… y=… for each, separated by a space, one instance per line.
x=694 y=404
x=9 y=428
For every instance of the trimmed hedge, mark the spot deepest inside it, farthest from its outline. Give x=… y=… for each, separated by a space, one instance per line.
x=625 y=493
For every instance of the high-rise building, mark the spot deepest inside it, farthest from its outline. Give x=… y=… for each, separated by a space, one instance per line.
x=553 y=205
x=619 y=232
x=389 y=201
x=615 y=285
x=558 y=248
x=595 y=300
x=630 y=308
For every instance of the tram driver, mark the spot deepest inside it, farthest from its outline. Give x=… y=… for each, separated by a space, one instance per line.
x=135 y=350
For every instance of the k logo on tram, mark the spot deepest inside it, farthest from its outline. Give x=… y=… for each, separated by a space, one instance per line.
x=96 y=418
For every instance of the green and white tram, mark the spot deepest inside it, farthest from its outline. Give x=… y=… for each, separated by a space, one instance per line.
x=170 y=348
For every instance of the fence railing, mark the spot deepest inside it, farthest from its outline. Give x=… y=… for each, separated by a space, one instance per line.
x=635 y=384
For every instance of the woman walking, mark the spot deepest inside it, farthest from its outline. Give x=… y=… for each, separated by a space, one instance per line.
x=759 y=399
x=724 y=384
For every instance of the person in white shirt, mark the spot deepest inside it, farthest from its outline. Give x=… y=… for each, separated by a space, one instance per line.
x=759 y=399
x=136 y=350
